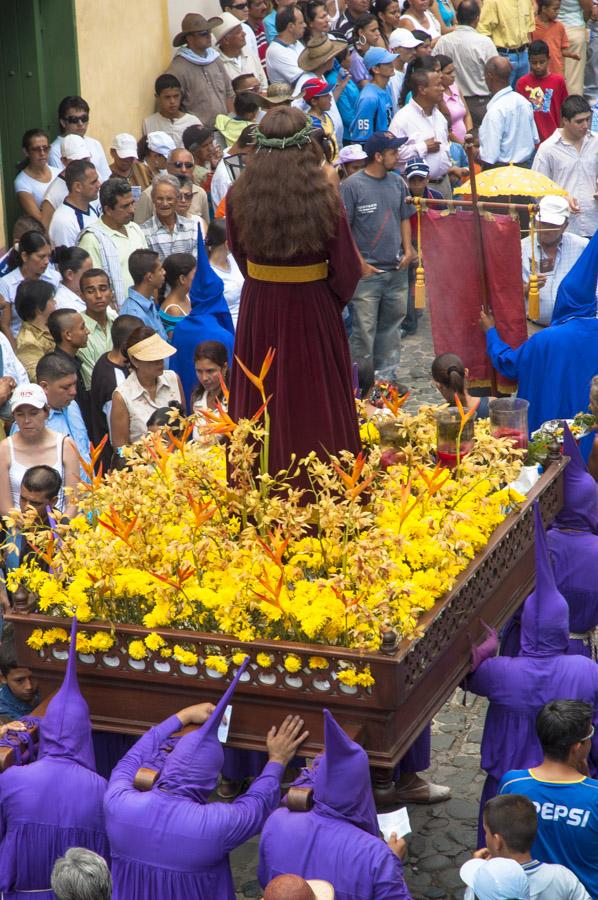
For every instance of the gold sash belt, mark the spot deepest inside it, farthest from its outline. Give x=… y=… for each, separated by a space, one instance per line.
x=288 y=274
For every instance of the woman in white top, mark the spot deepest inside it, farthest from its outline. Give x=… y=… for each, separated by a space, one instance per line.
x=72 y=262
x=225 y=265
x=34 y=173
x=149 y=387
x=30 y=261
x=34 y=444
x=419 y=18
x=211 y=365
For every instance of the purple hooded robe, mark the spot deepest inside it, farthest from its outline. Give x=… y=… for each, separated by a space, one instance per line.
x=519 y=686
x=338 y=840
x=573 y=547
x=53 y=803
x=169 y=842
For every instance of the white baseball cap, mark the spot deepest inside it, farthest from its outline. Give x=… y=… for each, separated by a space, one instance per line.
x=553 y=210
x=160 y=142
x=402 y=37
x=352 y=153
x=73 y=146
x=125 y=146
x=495 y=879
x=28 y=395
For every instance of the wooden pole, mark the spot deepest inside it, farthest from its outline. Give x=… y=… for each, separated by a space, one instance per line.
x=479 y=240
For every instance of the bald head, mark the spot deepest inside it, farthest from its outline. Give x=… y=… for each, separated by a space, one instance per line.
x=288 y=887
x=498 y=72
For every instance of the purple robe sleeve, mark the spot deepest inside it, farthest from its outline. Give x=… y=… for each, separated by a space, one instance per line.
x=390 y=880
x=249 y=812
x=147 y=745
x=344 y=261
x=481 y=681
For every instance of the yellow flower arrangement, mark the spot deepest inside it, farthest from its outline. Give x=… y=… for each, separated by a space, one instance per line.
x=169 y=544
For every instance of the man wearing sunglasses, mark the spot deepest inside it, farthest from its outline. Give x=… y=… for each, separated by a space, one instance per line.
x=73 y=115
x=181 y=164
x=205 y=84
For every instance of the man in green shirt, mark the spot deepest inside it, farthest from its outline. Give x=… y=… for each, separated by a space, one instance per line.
x=97 y=293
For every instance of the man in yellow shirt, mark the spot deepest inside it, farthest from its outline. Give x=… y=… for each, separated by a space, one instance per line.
x=509 y=23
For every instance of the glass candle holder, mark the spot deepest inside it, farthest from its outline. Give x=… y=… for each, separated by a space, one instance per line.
x=508 y=419
x=448 y=424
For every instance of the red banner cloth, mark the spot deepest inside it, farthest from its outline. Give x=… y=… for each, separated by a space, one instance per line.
x=453 y=282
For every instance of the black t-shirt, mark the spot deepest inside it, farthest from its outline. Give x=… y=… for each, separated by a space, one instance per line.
x=103 y=383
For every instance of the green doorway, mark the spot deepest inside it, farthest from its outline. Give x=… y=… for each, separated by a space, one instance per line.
x=39 y=66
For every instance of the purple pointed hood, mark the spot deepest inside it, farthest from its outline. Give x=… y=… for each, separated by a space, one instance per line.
x=580 y=502
x=545 y=618
x=193 y=767
x=65 y=730
x=342 y=784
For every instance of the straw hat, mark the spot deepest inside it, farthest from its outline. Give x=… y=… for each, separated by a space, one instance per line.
x=151 y=349
x=228 y=23
x=318 y=51
x=278 y=92
x=194 y=22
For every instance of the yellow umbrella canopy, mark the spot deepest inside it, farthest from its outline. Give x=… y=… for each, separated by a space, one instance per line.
x=512 y=180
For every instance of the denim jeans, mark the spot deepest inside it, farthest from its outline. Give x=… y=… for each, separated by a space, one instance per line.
x=378 y=307
x=520 y=63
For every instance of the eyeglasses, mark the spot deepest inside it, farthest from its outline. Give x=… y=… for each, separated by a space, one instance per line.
x=45 y=149
x=198 y=33
x=183 y=165
x=186 y=196
x=77 y=120
x=589 y=736
x=239 y=5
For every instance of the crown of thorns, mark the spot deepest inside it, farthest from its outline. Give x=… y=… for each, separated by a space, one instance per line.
x=299 y=139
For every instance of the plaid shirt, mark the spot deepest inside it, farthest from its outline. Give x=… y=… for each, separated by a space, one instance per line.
x=182 y=239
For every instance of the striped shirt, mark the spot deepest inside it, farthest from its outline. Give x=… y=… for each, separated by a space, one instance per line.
x=182 y=239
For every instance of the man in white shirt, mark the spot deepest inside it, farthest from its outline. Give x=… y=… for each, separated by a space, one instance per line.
x=570 y=158
x=230 y=166
x=73 y=147
x=76 y=212
x=426 y=130
x=556 y=252
x=510 y=827
x=508 y=133
x=283 y=53
x=169 y=118
x=240 y=10
x=230 y=40
x=73 y=115
x=469 y=51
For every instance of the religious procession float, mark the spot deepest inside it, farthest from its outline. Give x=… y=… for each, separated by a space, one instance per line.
x=363 y=593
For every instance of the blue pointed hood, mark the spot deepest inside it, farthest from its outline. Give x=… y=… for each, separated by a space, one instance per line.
x=209 y=320
x=580 y=500
x=342 y=784
x=65 y=730
x=192 y=769
x=576 y=296
x=545 y=617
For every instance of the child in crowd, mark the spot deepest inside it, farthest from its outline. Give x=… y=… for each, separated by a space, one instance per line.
x=351 y=159
x=553 y=33
x=246 y=82
x=417 y=173
x=545 y=91
x=246 y=110
x=169 y=116
x=450 y=377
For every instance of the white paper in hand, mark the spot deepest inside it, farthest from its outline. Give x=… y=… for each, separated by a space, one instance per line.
x=225 y=725
x=396 y=821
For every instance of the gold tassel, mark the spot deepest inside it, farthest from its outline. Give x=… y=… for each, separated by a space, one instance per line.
x=533 y=295
x=420 y=275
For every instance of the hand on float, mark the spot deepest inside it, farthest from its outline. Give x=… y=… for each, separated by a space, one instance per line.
x=12 y=726
x=283 y=743
x=196 y=715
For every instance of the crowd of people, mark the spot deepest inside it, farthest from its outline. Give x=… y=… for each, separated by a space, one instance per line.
x=268 y=203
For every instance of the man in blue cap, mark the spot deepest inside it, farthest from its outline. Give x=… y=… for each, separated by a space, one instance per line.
x=374 y=107
x=554 y=368
x=378 y=213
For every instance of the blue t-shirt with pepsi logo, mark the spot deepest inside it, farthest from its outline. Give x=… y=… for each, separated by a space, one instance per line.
x=567 y=822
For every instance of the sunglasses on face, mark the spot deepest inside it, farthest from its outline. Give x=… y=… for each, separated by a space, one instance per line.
x=77 y=120
x=240 y=5
x=183 y=165
x=199 y=33
x=45 y=149
x=186 y=196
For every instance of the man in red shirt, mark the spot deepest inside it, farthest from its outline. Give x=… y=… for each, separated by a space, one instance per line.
x=546 y=92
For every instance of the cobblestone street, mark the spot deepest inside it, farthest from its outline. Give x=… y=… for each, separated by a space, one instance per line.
x=443 y=836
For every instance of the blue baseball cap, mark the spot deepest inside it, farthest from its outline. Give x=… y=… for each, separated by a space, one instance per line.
x=380 y=141
x=377 y=56
x=417 y=167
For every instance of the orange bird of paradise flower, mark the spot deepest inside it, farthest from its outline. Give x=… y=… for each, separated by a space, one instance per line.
x=258 y=380
x=394 y=402
x=466 y=416
x=352 y=488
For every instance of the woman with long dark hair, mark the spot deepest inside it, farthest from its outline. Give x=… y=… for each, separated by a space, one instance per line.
x=292 y=242
x=34 y=173
x=28 y=261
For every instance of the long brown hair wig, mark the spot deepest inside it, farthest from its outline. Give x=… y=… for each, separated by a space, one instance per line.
x=283 y=205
